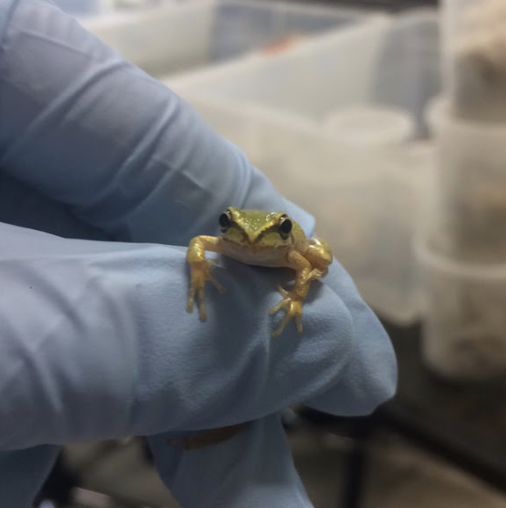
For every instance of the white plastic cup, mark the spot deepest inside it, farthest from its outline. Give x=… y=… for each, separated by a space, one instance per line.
x=339 y=173
x=392 y=285
x=470 y=180
x=464 y=334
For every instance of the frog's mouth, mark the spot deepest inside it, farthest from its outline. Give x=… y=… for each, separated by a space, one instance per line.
x=255 y=253
x=266 y=240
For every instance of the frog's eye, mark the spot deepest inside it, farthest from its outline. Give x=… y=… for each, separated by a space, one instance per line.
x=285 y=227
x=225 y=221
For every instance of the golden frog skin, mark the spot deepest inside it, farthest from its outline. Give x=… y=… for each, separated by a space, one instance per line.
x=261 y=238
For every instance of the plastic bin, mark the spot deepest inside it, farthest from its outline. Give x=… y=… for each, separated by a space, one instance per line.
x=464 y=335
x=277 y=110
x=175 y=37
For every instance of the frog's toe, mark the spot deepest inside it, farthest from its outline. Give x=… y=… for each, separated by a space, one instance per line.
x=277 y=332
x=202 y=311
x=290 y=313
x=198 y=292
x=189 y=304
x=283 y=303
x=316 y=274
x=284 y=293
x=191 y=297
x=206 y=275
x=217 y=285
x=298 y=322
x=201 y=273
x=293 y=308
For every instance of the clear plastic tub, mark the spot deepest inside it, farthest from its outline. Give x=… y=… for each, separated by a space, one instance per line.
x=277 y=110
x=464 y=336
x=475 y=58
x=175 y=37
x=470 y=214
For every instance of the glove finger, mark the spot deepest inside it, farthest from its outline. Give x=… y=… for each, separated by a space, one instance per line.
x=252 y=469
x=370 y=374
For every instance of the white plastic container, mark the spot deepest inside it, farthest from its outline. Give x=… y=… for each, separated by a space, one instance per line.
x=393 y=283
x=277 y=110
x=470 y=214
x=475 y=58
x=178 y=36
x=464 y=335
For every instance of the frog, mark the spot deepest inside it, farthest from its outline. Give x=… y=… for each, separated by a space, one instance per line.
x=260 y=238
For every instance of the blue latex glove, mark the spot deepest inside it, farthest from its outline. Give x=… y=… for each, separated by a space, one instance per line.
x=105 y=176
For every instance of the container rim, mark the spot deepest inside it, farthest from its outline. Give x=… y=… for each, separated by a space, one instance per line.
x=438 y=114
x=429 y=257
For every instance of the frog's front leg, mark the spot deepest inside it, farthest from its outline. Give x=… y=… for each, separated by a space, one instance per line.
x=292 y=300
x=200 y=268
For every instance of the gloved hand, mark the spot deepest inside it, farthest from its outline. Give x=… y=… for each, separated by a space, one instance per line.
x=105 y=176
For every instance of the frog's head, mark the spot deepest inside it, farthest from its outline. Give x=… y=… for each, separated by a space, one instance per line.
x=256 y=228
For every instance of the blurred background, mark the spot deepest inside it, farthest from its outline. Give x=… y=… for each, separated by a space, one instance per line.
x=386 y=119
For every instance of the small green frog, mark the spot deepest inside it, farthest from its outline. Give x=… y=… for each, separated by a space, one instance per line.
x=262 y=238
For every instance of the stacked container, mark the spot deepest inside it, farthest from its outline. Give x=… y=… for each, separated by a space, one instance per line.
x=464 y=250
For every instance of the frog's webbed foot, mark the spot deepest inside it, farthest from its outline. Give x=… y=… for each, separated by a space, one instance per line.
x=292 y=303
x=200 y=273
